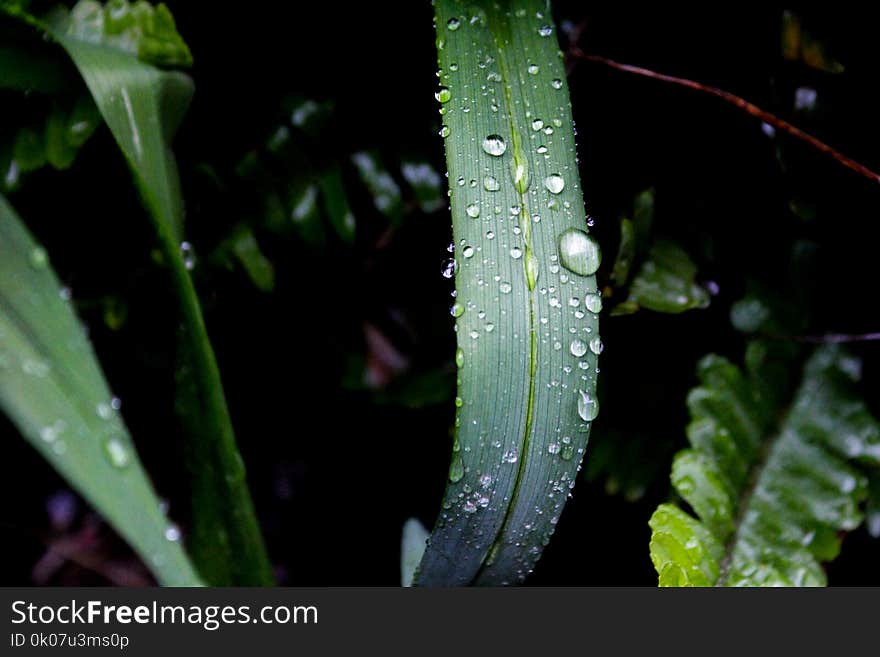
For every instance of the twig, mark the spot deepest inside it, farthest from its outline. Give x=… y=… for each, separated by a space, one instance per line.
x=743 y=104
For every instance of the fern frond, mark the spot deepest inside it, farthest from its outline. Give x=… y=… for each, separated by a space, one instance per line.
x=771 y=489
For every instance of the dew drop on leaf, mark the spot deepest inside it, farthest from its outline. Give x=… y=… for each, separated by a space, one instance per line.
x=593 y=302
x=554 y=183
x=494 y=145
x=578 y=252
x=588 y=407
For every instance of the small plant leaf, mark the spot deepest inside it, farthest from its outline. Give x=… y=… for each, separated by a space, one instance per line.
x=54 y=391
x=769 y=493
x=526 y=292
x=412 y=547
x=666 y=282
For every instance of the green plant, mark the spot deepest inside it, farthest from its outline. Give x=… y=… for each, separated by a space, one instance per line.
x=300 y=214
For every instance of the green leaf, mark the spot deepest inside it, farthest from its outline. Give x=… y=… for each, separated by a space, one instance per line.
x=666 y=282
x=626 y=253
x=426 y=184
x=336 y=204
x=527 y=340
x=771 y=491
x=137 y=28
x=143 y=107
x=53 y=390
x=412 y=547
x=380 y=184
x=247 y=251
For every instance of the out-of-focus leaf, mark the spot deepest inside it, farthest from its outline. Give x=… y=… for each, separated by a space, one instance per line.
x=336 y=204
x=798 y=45
x=381 y=185
x=626 y=253
x=137 y=28
x=27 y=69
x=258 y=268
x=426 y=184
x=771 y=490
x=666 y=281
x=643 y=220
x=310 y=116
x=52 y=388
x=143 y=107
x=412 y=547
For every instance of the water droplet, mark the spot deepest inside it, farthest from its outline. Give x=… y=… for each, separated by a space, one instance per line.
x=554 y=183
x=39 y=257
x=172 y=533
x=542 y=149
x=457 y=309
x=537 y=124
x=574 y=302
x=578 y=252
x=104 y=411
x=567 y=452
x=593 y=302
x=491 y=184
x=588 y=407
x=533 y=69
x=453 y=24
x=578 y=348
x=456 y=470
x=516 y=253
x=473 y=210
x=459 y=357
x=596 y=345
x=490 y=235
x=448 y=267
x=188 y=255
x=443 y=95
x=510 y=456
x=474 y=334
x=489 y=327
x=505 y=287
x=468 y=252
x=494 y=145
x=556 y=84
x=116 y=452
x=545 y=30
x=459 y=402
x=553 y=448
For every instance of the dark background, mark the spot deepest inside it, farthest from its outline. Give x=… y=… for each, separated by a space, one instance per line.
x=336 y=470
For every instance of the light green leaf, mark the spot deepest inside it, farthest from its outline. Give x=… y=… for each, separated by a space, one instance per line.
x=412 y=547
x=336 y=204
x=381 y=185
x=527 y=340
x=137 y=28
x=665 y=283
x=256 y=265
x=53 y=390
x=771 y=491
x=626 y=253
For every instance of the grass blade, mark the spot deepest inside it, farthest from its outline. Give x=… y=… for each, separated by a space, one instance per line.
x=526 y=302
x=53 y=389
x=143 y=106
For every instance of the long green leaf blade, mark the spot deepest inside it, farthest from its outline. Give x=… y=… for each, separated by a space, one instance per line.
x=770 y=498
x=53 y=390
x=143 y=107
x=526 y=295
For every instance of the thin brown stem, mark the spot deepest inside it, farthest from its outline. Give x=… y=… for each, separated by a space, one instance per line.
x=743 y=104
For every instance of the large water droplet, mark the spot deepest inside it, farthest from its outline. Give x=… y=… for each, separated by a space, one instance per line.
x=447 y=268
x=516 y=253
x=494 y=145
x=596 y=345
x=554 y=183
x=468 y=252
x=457 y=309
x=505 y=287
x=556 y=84
x=588 y=407
x=117 y=453
x=578 y=348
x=453 y=24
x=443 y=94
x=459 y=357
x=172 y=533
x=578 y=252
x=491 y=184
x=545 y=30
x=593 y=302
x=533 y=69
x=473 y=210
